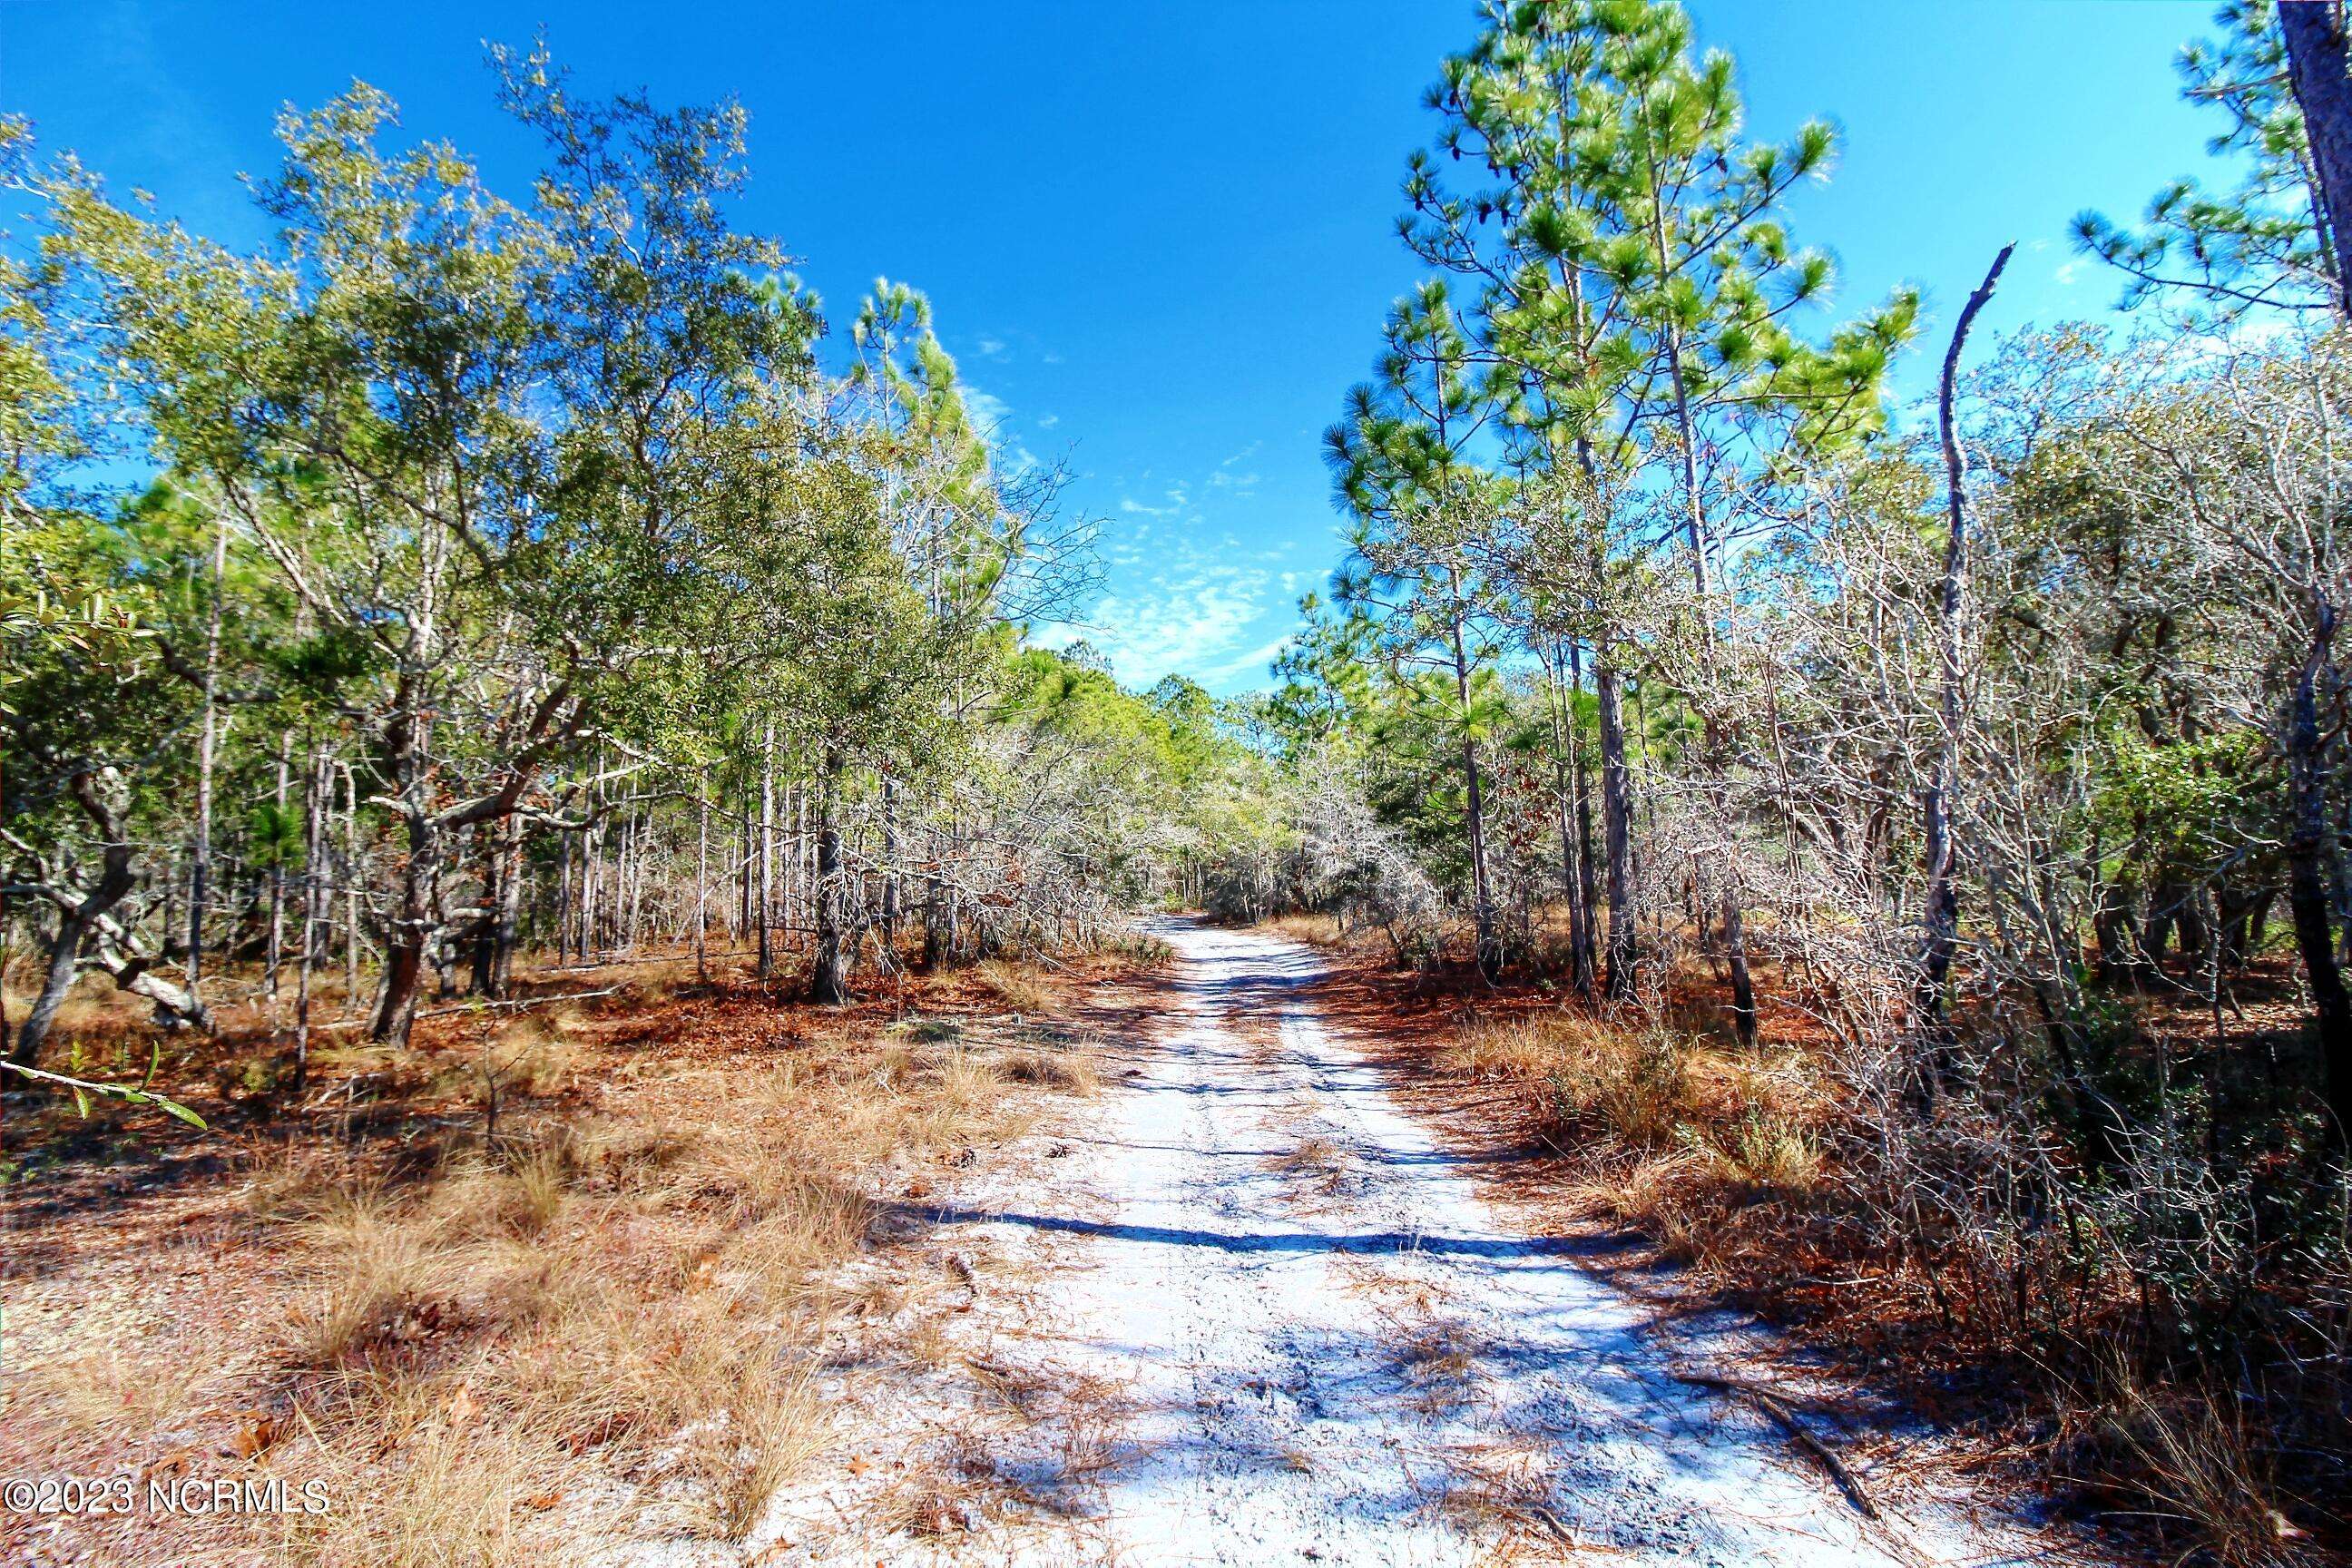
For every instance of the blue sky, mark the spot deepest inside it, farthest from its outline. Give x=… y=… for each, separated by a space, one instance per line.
x=1158 y=235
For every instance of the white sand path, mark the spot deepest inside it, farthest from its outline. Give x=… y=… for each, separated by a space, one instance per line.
x=1319 y=1359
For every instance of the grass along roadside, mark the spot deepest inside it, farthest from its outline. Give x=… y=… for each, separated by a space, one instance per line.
x=591 y=1289
x=1755 y=1171
x=2053 y=1324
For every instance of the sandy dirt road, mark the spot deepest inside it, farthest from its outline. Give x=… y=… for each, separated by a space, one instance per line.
x=1327 y=1348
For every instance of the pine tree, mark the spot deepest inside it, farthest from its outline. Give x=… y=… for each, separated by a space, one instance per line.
x=1637 y=288
x=2278 y=76
x=1401 y=466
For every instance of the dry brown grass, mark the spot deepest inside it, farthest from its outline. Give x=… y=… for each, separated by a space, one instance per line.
x=1315 y=929
x=1642 y=1089
x=1018 y=986
x=1052 y=1066
x=1503 y=1492
x=421 y=1484
x=1311 y=1156
x=658 y=1285
x=617 y=1306
x=1750 y=1164
x=2194 y=1458
x=1582 y=1075
x=377 y=1264
x=108 y=1389
x=536 y=1053
x=1439 y=1360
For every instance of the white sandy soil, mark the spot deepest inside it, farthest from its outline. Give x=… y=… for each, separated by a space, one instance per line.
x=1321 y=1345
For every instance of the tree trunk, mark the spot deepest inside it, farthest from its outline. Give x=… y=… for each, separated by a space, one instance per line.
x=65 y=952
x=2231 y=907
x=1940 y=939
x=2321 y=74
x=1617 y=818
x=2312 y=855
x=1735 y=929
x=1588 y=887
x=640 y=827
x=1568 y=781
x=702 y=875
x=767 y=851
x=411 y=928
x=103 y=800
x=414 y=918
x=829 y=975
x=804 y=862
x=494 y=930
x=934 y=909
x=351 y=891
x=2115 y=926
x=592 y=840
x=1482 y=897
x=314 y=838
x=890 y=893
x=274 y=953
x=565 y=855
x=484 y=980
x=510 y=906
x=200 y=857
x=743 y=859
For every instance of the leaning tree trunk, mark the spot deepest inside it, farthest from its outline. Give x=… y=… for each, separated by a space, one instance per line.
x=2311 y=859
x=88 y=920
x=65 y=954
x=2319 y=68
x=1942 y=917
x=829 y=973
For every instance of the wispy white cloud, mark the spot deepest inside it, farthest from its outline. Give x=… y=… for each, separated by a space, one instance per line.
x=2255 y=331
x=992 y=348
x=1185 y=594
x=1047 y=421
x=1172 y=502
x=1251 y=667
x=1197 y=618
x=988 y=411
